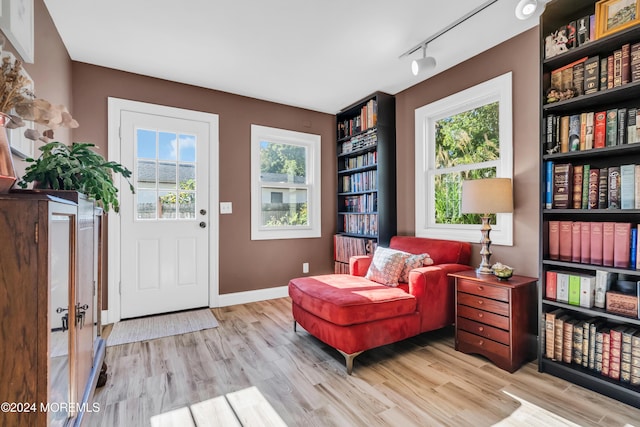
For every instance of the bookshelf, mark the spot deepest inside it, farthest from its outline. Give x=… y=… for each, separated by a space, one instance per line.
x=366 y=185
x=576 y=259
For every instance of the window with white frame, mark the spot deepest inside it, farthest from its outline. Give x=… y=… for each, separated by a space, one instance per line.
x=285 y=184
x=467 y=135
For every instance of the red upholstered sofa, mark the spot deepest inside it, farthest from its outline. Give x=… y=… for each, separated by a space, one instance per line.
x=354 y=314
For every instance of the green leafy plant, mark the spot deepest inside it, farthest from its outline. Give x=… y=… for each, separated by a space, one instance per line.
x=76 y=167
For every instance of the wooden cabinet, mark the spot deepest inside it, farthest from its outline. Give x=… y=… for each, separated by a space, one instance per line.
x=50 y=355
x=617 y=149
x=366 y=154
x=496 y=318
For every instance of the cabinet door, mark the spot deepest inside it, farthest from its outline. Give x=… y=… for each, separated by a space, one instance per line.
x=62 y=271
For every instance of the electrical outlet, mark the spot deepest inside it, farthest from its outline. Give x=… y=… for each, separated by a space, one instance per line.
x=305 y=267
x=225 y=207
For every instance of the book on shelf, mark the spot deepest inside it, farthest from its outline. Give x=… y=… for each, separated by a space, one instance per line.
x=603 y=189
x=636 y=187
x=625 y=354
x=604 y=73
x=599 y=348
x=634 y=62
x=596 y=242
x=617 y=68
x=627 y=186
x=567 y=339
x=586 y=328
x=554 y=239
x=576 y=237
x=621 y=303
x=606 y=353
x=551 y=278
x=559 y=336
x=562 y=185
x=613 y=186
x=564 y=134
x=600 y=129
x=610 y=71
x=562 y=287
x=593 y=328
x=604 y=281
x=550 y=322
x=587 y=290
x=574 y=132
x=635 y=359
x=585 y=242
x=622 y=126
x=591 y=74
x=576 y=347
x=608 y=233
x=632 y=115
x=615 y=349
x=574 y=289
x=612 y=128
x=621 y=244
x=548 y=190
x=578 y=174
x=633 y=250
x=594 y=179
x=565 y=240
x=586 y=170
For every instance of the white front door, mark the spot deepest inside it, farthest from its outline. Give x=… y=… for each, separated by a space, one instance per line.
x=164 y=226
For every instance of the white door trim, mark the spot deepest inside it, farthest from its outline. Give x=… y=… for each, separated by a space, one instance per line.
x=115 y=106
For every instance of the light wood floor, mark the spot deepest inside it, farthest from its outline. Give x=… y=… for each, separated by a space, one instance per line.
x=422 y=381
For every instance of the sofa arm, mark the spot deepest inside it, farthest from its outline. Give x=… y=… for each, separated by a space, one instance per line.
x=434 y=292
x=359 y=264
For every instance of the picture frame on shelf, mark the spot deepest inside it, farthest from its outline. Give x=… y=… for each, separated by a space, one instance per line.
x=16 y=22
x=616 y=15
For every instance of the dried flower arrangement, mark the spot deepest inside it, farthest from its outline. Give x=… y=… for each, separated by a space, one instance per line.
x=18 y=101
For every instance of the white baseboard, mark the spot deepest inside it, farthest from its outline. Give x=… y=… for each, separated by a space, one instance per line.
x=252 y=296
x=233 y=299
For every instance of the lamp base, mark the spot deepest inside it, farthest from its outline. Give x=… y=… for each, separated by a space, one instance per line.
x=485 y=252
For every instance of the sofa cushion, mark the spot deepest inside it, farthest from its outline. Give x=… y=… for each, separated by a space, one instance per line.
x=386 y=266
x=414 y=261
x=348 y=300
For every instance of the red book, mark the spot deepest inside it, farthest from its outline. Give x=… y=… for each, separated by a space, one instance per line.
x=551 y=285
x=565 y=241
x=614 y=355
x=576 y=234
x=596 y=243
x=608 y=233
x=621 y=244
x=600 y=129
x=554 y=240
x=626 y=62
x=585 y=242
x=606 y=353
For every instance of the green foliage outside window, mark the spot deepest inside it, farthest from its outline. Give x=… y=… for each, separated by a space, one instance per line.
x=467 y=138
x=184 y=197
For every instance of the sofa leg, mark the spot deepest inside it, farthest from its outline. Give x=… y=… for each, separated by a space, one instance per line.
x=349 y=360
x=295 y=326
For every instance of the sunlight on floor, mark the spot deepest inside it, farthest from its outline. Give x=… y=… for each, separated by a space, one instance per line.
x=529 y=414
x=240 y=408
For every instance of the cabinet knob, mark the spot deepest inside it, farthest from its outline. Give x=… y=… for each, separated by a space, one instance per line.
x=480 y=314
x=480 y=329
x=481 y=288
x=481 y=342
x=480 y=302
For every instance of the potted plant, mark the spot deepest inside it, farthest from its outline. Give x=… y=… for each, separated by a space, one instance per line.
x=76 y=167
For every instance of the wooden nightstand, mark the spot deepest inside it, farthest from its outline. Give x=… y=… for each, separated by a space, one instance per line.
x=495 y=318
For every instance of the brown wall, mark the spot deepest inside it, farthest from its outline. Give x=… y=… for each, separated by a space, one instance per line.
x=519 y=55
x=244 y=264
x=50 y=72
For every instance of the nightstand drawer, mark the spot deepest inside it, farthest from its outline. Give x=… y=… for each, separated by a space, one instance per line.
x=484 y=303
x=482 y=345
x=483 y=290
x=483 y=330
x=485 y=317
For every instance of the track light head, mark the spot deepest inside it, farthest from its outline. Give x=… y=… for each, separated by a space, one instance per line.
x=526 y=8
x=422 y=65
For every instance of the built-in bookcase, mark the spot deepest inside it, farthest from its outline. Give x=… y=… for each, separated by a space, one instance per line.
x=366 y=156
x=580 y=204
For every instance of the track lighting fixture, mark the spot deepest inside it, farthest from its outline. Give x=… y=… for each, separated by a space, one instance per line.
x=423 y=64
x=428 y=62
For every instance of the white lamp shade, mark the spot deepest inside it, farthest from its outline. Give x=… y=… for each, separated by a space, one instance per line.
x=423 y=64
x=487 y=196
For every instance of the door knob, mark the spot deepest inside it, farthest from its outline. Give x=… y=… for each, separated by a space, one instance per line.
x=203 y=211
x=203 y=224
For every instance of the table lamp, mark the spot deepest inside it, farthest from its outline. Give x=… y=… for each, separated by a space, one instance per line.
x=485 y=197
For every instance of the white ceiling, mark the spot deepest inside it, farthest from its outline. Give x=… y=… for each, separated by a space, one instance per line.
x=317 y=54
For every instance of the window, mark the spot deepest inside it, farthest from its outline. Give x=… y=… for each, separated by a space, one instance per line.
x=467 y=135
x=285 y=184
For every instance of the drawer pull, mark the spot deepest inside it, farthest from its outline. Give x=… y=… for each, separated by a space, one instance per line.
x=480 y=302
x=481 y=342
x=480 y=314
x=480 y=329
x=481 y=288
